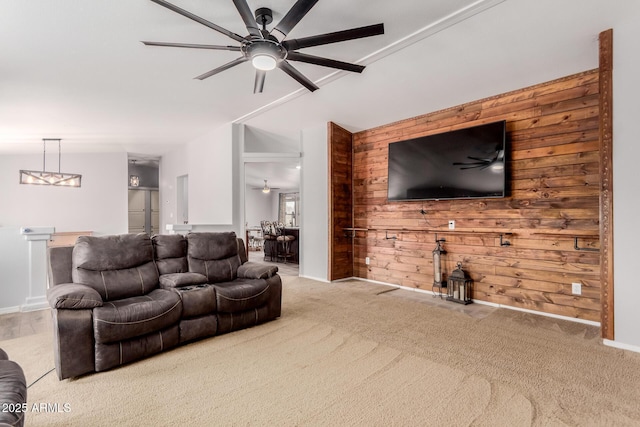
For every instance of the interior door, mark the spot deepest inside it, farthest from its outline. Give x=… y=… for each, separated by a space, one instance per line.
x=155 y=212
x=137 y=211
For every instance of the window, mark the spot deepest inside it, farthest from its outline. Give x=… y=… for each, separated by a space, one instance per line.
x=288 y=210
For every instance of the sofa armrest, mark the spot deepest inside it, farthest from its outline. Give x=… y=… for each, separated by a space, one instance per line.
x=253 y=270
x=179 y=280
x=13 y=394
x=73 y=296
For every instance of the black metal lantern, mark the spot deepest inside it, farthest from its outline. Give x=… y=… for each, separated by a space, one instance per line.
x=459 y=286
x=438 y=281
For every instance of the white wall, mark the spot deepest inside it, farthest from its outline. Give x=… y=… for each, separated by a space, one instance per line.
x=172 y=165
x=259 y=141
x=314 y=224
x=100 y=205
x=212 y=163
x=210 y=169
x=626 y=183
x=14 y=267
x=258 y=207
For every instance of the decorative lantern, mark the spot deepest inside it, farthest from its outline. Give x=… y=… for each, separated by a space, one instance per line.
x=438 y=282
x=459 y=286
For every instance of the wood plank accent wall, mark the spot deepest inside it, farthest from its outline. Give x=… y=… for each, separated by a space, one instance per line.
x=554 y=184
x=340 y=202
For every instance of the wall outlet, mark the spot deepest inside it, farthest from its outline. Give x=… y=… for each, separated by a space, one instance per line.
x=367 y=261
x=576 y=288
x=452 y=225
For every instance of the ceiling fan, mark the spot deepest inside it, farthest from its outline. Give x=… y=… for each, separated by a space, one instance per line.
x=266 y=189
x=496 y=162
x=268 y=49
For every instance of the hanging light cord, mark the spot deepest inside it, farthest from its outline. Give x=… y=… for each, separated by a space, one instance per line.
x=44 y=154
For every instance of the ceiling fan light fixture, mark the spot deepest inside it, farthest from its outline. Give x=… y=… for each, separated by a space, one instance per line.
x=266 y=189
x=264 y=62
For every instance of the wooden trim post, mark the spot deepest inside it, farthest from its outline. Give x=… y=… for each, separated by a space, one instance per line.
x=606 y=184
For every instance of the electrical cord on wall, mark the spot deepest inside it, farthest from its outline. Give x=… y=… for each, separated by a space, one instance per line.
x=426 y=221
x=41 y=377
x=424 y=215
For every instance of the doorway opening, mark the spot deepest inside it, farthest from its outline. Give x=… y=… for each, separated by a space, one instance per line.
x=272 y=208
x=143 y=194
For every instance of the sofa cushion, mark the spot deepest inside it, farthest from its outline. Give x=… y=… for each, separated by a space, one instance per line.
x=210 y=246
x=117 y=267
x=73 y=296
x=112 y=252
x=178 y=280
x=136 y=316
x=124 y=283
x=223 y=270
x=214 y=255
x=170 y=252
x=241 y=295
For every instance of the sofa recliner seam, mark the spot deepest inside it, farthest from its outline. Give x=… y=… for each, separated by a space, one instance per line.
x=63 y=299
x=140 y=321
x=141 y=279
x=243 y=299
x=104 y=284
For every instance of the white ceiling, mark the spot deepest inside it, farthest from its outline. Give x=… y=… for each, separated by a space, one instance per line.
x=76 y=70
x=281 y=175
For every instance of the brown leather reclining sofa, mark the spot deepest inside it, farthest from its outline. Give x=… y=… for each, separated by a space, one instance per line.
x=116 y=299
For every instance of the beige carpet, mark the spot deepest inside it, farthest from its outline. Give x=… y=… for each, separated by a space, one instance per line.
x=347 y=354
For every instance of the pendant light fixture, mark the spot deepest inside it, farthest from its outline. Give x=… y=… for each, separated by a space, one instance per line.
x=44 y=177
x=134 y=180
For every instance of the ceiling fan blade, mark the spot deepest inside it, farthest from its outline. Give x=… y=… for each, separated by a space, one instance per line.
x=297 y=75
x=259 y=83
x=198 y=19
x=247 y=17
x=194 y=46
x=222 y=68
x=338 y=36
x=325 y=62
x=291 y=19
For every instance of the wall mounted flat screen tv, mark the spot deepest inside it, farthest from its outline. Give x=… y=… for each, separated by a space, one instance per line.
x=461 y=164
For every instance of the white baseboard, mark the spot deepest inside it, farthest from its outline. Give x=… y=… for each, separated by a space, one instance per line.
x=315 y=278
x=35 y=303
x=492 y=304
x=555 y=316
x=621 y=345
x=7 y=310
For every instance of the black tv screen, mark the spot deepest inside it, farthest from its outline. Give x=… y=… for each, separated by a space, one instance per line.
x=461 y=164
